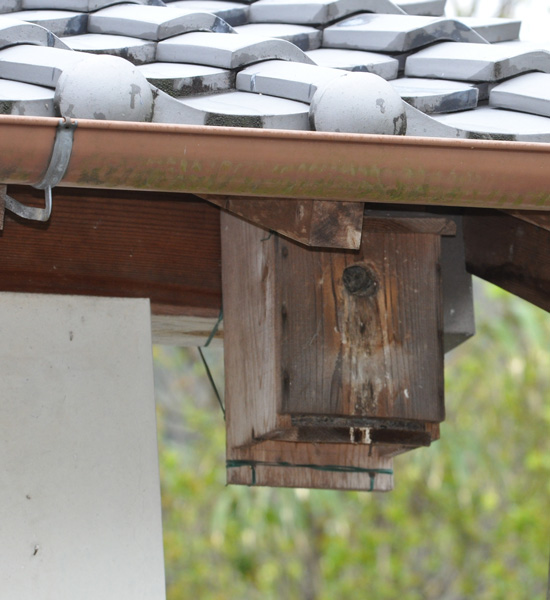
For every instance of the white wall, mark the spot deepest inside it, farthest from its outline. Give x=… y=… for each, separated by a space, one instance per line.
x=80 y=514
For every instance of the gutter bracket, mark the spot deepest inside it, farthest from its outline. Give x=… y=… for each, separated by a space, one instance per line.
x=59 y=161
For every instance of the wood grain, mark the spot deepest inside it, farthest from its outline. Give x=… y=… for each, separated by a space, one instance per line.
x=299 y=343
x=509 y=252
x=319 y=455
x=251 y=320
x=317 y=223
x=165 y=247
x=253 y=389
x=377 y=355
x=3 y=191
x=433 y=225
x=539 y=218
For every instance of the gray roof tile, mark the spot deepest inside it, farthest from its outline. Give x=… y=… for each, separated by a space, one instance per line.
x=233 y=13
x=316 y=12
x=78 y=5
x=295 y=81
x=494 y=30
x=137 y=51
x=306 y=38
x=476 y=62
x=436 y=96
x=178 y=80
x=18 y=98
x=35 y=64
x=226 y=50
x=13 y=31
x=59 y=22
x=356 y=60
x=7 y=6
x=239 y=109
x=168 y=109
x=153 y=22
x=483 y=123
x=395 y=33
x=428 y=8
x=526 y=93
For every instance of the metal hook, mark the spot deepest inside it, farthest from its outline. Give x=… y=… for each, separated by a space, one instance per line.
x=30 y=212
x=59 y=160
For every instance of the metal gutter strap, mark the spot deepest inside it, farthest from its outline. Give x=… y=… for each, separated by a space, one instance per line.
x=61 y=154
x=283 y=164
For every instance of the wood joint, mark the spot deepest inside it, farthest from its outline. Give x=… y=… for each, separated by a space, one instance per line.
x=315 y=223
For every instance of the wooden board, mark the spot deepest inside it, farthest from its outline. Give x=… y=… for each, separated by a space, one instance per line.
x=165 y=247
x=325 y=466
x=539 y=218
x=510 y=253
x=3 y=189
x=318 y=223
x=251 y=321
x=376 y=352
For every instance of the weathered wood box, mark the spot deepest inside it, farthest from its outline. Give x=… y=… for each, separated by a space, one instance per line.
x=334 y=359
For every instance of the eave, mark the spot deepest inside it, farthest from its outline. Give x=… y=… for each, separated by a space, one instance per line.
x=283 y=164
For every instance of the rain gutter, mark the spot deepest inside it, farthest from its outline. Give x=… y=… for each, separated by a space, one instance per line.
x=282 y=164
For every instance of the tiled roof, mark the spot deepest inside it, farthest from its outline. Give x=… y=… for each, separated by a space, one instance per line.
x=273 y=63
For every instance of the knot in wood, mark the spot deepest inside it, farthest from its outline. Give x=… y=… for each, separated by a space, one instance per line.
x=359 y=281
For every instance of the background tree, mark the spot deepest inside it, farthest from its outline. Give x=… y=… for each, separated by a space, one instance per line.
x=469 y=516
x=497 y=8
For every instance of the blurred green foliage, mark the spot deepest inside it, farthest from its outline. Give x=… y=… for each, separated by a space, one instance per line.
x=469 y=517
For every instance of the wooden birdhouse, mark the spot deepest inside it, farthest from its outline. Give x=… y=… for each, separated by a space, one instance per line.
x=334 y=358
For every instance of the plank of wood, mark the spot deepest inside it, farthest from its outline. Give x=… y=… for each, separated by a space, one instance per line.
x=363 y=348
x=509 y=252
x=432 y=225
x=251 y=319
x=186 y=330
x=324 y=466
x=317 y=223
x=539 y=218
x=165 y=247
x=3 y=191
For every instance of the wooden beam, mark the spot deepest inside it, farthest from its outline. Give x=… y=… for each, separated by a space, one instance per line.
x=317 y=223
x=3 y=189
x=388 y=224
x=165 y=247
x=509 y=252
x=535 y=217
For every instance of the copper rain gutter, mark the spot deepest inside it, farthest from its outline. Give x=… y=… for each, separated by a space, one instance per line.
x=282 y=164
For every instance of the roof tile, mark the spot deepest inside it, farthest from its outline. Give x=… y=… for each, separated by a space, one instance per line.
x=226 y=50
x=153 y=22
x=295 y=81
x=395 y=33
x=436 y=96
x=59 y=22
x=356 y=60
x=18 y=98
x=136 y=50
x=476 y=62
x=306 y=38
x=179 y=79
x=526 y=93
